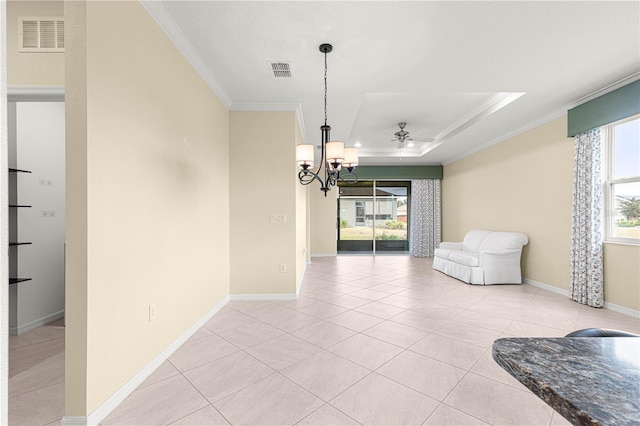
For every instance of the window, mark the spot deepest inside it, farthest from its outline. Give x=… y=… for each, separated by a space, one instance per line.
x=621 y=175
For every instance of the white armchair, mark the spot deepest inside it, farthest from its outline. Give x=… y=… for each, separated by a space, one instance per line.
x=483 y=257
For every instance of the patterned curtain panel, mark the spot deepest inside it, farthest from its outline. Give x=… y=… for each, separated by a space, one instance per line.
x=586 y=241
x=424 y=234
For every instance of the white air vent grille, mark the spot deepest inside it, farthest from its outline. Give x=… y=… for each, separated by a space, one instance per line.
x=280 y=69
x=41 y=34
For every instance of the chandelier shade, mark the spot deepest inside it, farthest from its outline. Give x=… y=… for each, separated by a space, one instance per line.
x=304 y=155
x=333 y=155
x=335 y=152
x=350 y=158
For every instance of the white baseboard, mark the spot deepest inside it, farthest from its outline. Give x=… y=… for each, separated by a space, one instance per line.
x=263 y=297
x=607 y=305
x=74 y=421
x=547 y=287
x=622 y=310
x=121 y=394
x=324 y=255
x=23 y=328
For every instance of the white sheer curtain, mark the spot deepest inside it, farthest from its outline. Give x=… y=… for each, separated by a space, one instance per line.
x=586 y=241
x=424 y=234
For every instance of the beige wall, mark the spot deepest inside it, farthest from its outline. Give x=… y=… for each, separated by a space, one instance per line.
x=622 y=275
x=323 y=221
x=147 y=198
x=32 y=69
x=525 y=184
x=263 y=182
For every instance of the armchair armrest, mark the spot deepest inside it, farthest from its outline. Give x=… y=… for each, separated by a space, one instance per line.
x=450 y=246
x=507 y=257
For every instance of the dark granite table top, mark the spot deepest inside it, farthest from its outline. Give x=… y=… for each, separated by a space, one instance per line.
x=588 y=380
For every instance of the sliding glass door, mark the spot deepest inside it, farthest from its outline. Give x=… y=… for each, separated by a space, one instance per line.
x=391 y=208
x=373 y=217
x=355 y=233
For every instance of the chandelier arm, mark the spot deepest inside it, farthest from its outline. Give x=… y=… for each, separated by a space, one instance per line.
x=307 y=176
x=317 y=173
x=349 y=177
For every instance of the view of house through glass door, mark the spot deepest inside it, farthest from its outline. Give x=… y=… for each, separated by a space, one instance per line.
x=373 y=217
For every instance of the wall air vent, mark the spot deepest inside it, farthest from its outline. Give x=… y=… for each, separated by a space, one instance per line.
x=41 y=34
x=280 y=69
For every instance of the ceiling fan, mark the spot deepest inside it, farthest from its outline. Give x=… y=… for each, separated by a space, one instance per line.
x=402 y=136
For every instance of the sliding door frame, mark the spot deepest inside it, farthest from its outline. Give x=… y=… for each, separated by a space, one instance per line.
x=375 y=183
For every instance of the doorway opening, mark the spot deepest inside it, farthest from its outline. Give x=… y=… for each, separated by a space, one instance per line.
x=373 y=217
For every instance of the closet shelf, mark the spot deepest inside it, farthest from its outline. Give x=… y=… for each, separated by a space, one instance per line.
x=18 y=280
x=18 y=243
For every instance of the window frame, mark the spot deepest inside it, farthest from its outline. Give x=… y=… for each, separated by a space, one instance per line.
x=608 y=183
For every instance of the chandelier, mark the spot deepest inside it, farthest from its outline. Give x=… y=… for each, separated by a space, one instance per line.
x=334 y=157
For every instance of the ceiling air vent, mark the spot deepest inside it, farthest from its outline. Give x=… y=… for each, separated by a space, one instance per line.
x=280 y=69
x=41 y=34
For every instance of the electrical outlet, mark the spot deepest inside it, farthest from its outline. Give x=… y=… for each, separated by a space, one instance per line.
x=283 y=268
x=48 y=213
x=152 y=312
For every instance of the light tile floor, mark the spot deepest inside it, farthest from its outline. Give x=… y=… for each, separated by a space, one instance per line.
x=36 y=376
x=382 y=340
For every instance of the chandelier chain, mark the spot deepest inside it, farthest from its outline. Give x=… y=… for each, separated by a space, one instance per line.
x=325 y=88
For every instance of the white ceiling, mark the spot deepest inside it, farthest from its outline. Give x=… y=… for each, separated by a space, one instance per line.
x=466 y=74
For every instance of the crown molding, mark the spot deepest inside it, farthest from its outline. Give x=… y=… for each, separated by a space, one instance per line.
x=603 y=91
x=264 y=106
x=180 y=40
x=35 y=93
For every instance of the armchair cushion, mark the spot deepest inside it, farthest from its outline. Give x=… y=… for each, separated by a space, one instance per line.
x=467 y=259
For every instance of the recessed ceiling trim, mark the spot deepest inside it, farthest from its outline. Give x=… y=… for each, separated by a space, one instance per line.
x=180 y=40
x=494 y=104
x=548 y=118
